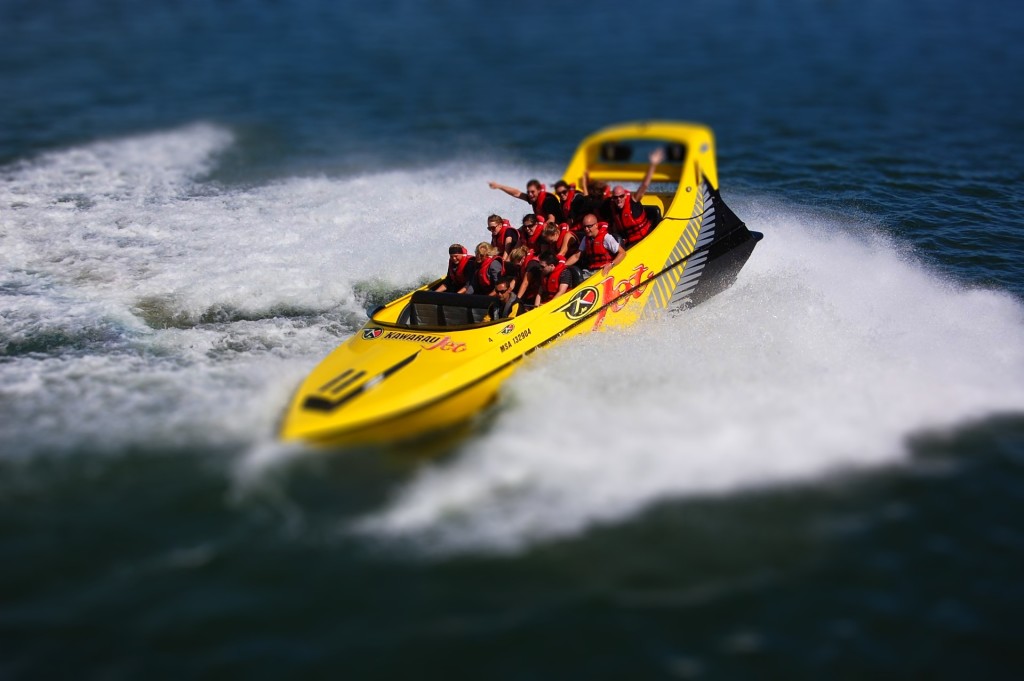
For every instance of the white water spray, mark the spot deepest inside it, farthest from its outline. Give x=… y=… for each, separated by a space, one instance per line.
x=830 y=350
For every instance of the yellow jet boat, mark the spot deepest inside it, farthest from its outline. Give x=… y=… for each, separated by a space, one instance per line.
x=428 y=361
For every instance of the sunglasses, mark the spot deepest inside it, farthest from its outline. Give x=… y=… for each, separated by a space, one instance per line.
x=501 y=290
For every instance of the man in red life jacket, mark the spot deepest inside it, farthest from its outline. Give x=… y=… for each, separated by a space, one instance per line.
x=628 y=217
x=461 y=267
x=544 y=204
x=503 y=236
x=598 y=250
x=508 y=303
x=556 y=278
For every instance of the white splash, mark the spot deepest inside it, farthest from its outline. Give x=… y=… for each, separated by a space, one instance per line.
x=831 y=349
x=144 y=305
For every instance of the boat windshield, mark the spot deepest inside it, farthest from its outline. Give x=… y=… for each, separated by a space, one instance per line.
x=430 y=308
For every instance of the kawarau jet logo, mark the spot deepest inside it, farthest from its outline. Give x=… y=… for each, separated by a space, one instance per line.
x=370 y=334
x=581 y=303
x=508 y=329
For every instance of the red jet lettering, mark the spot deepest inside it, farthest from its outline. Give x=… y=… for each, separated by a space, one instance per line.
x=446 y=343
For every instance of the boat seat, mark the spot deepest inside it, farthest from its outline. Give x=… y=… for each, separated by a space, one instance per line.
x=430 y=308
x=653 y=214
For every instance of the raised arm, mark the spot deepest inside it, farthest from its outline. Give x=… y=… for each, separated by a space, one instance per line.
x=656 y=157
x=511 y=191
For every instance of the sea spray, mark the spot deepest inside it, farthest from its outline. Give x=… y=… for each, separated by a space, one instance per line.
x=832 y=349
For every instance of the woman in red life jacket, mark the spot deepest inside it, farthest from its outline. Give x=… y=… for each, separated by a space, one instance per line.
x=574 y=204
x=557 y=239
x=527 y=273
x=599 y=250
x=628 y=217
x=459 y=270
x=544 y=204
x=488 y=270
x=503 y=237
x=529 y=233
x=555 y=276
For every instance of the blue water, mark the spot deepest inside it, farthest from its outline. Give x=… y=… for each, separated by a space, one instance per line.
x=818 y=474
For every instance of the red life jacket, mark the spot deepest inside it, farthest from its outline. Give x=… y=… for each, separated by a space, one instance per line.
x=563 y=235
x=550 y=287
x=596 y=255
x=538 y=203
x=526 y=239
x=534 y=288
x=483 y=280
x=574 y=223
x=457 y=272
x=567 y=201
x=499 y=236
x=632 y=229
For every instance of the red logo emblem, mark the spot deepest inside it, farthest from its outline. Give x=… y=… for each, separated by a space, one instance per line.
x=508 y=329
x=370 y=334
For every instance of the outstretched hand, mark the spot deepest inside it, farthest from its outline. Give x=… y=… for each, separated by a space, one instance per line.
x=657 y=156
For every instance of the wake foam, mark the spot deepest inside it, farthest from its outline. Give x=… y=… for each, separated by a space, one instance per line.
x=831 y=349
x=145 y=306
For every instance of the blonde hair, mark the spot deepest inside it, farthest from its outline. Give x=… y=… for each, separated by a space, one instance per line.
x=485 y=249
x=518 y=254
x=551 y=230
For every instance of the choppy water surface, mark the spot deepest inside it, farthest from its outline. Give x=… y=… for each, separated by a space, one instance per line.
x=815 y=473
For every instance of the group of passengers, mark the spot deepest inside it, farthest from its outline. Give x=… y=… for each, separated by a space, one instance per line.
x=564 y=240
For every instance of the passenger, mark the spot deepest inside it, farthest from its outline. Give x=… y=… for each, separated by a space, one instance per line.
x=461 y=268
x=597 y=194
x=489 y=269
x=529 y=232
x=628 y=217
x=599 y=250
x=558 y=239
x=574 y=204
x=544 y=204
x=557 y=278
x=503 y=236
x=508 y=303
x=527 y=273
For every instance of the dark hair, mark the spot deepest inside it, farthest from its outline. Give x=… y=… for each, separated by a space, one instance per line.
x=560 y=184
x=530 y=218
x=507 y=280
x=549 y=258
x=534 y=183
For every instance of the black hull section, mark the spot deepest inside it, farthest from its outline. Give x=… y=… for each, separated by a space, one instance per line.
x=726 y=254
x=726 y=258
